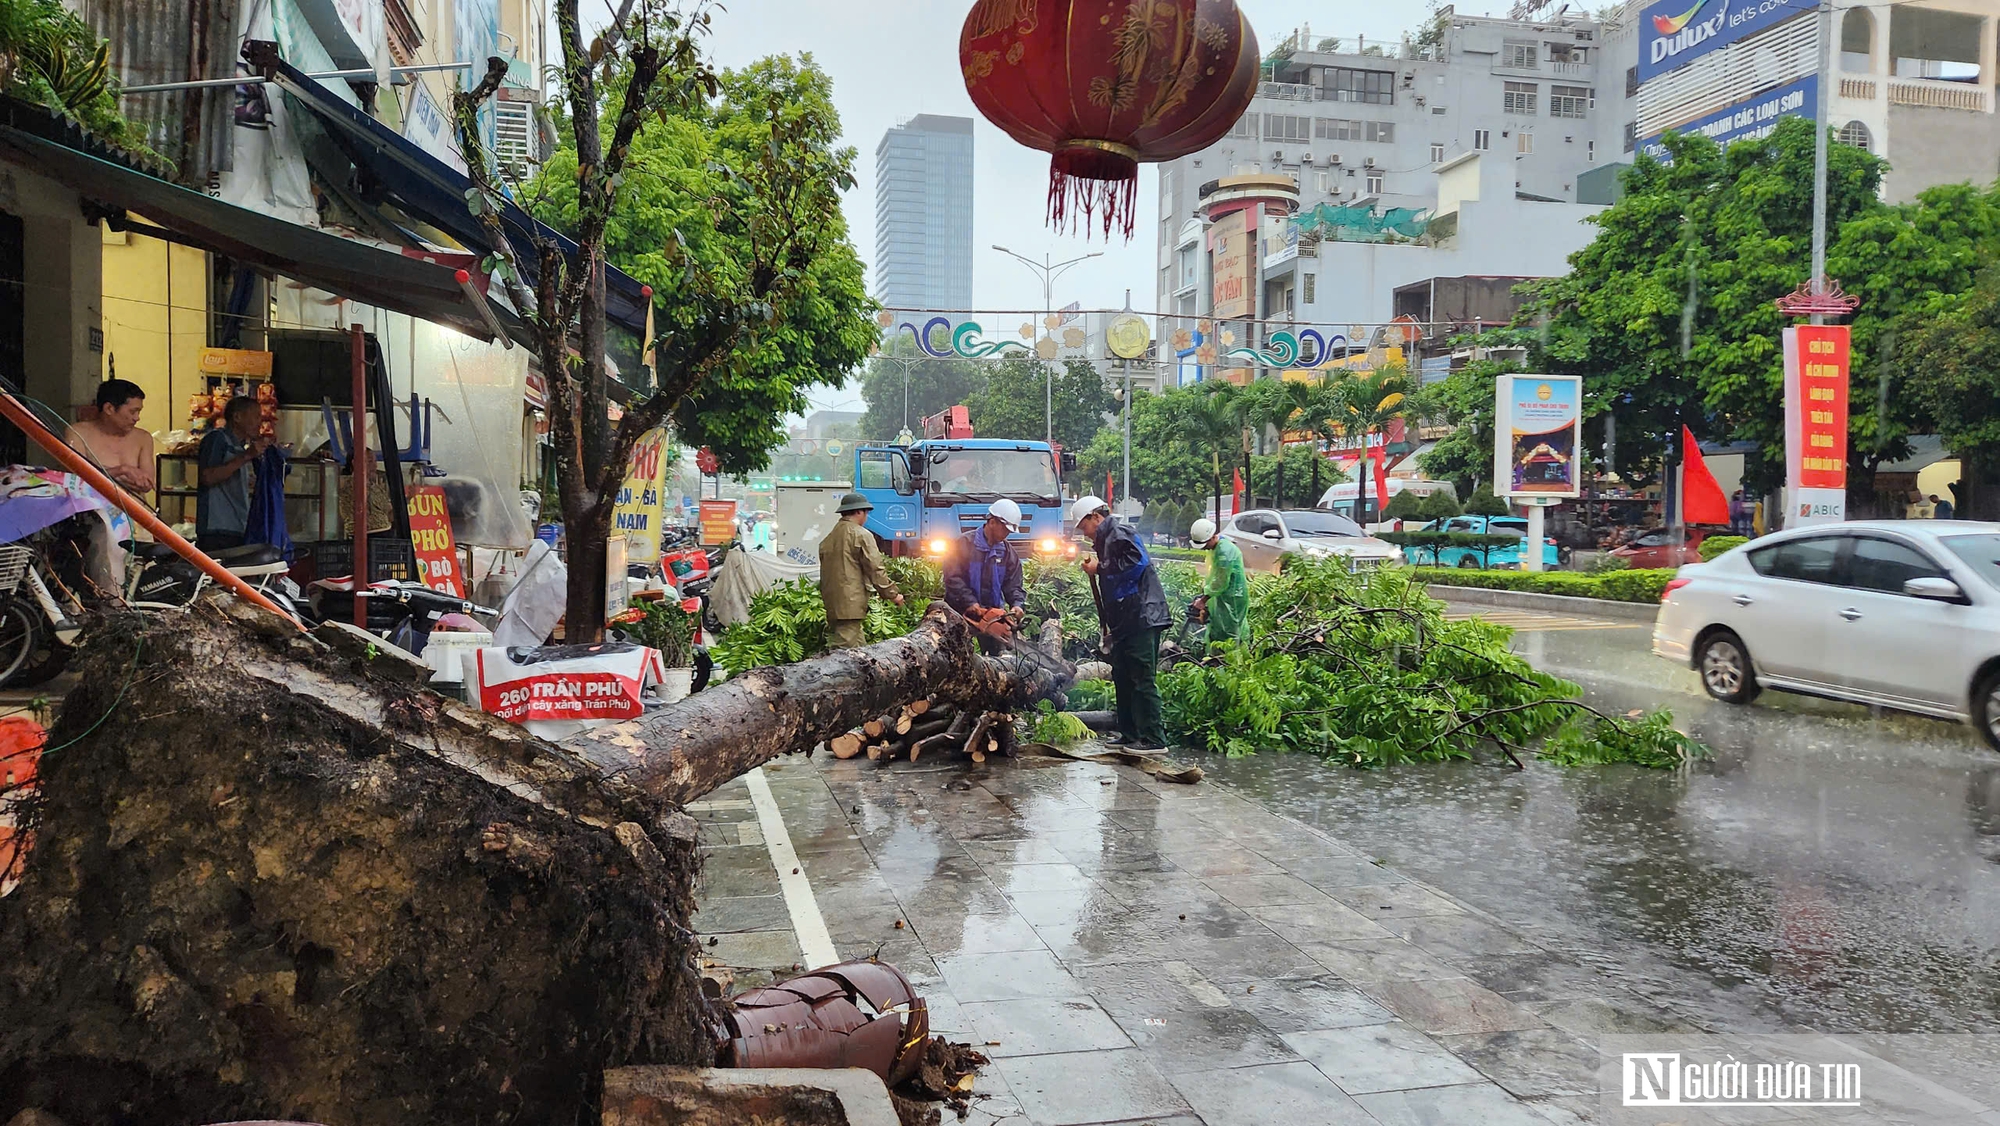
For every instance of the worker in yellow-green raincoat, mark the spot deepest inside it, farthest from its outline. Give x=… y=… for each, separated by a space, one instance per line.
x=1226 y=601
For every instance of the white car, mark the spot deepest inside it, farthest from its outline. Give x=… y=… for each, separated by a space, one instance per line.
x=1900 y=614
x=1265 y=536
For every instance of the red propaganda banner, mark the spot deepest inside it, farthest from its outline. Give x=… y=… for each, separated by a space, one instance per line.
x=718 y=521
x=1816 y=406
x=431 y=540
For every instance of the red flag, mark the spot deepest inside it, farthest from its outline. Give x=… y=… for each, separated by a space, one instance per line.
x=1381 y=481
x=1109 y=496
x=1236 y=492
x=1701 y=496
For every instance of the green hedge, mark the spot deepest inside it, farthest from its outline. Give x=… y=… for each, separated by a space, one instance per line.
x=1613 y=586
x=1716 y=545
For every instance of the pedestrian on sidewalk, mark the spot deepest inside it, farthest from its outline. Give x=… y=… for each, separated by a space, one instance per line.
x=1225 y=601
x=982 y=579
x=1134 y=610
x=849 y=564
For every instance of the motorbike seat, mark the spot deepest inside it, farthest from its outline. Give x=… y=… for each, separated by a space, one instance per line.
x=249 y=555
x=152 y=549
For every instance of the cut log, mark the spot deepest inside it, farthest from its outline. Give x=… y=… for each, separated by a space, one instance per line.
x=976 y=744
x=682 y=752
x=904 y=720
x=1098 y=721
x=845 y=746
x=919 y=707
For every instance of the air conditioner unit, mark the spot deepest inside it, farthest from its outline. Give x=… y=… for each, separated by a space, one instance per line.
x=1278 y=154
x=1306 y=159
x=1368 y=163
x=1333 y=160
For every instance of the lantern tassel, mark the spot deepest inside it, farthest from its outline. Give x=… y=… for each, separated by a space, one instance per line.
x=1096 y=187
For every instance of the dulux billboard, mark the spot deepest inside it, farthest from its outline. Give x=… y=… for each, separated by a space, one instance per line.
x=1748 y=119
x=1674 y=33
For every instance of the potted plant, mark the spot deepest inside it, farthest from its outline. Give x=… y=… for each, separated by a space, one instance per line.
x=667 y=626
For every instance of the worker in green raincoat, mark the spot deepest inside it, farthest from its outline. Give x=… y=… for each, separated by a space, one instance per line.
x=1226 y=603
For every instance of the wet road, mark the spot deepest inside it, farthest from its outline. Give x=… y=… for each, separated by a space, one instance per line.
x=1831 y=869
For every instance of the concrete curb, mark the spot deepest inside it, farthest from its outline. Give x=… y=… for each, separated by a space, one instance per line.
x=1547 y=603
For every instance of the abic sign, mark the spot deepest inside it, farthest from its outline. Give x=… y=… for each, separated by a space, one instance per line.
x=1674 y=33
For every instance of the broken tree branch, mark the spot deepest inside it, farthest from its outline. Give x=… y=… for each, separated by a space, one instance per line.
x=682 y=752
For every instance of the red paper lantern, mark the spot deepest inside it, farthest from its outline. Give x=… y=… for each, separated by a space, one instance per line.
x=1106 y=84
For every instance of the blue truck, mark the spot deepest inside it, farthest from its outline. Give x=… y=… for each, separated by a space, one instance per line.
x=929 y=492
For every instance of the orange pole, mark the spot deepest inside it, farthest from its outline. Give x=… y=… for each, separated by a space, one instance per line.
x=143 y=516
x=357 y=459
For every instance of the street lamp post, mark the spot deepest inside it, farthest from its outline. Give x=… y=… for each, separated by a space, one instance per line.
x=1820 y=122
x=1049 y=272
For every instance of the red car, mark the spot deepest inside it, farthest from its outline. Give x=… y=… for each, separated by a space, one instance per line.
x=1655 y=548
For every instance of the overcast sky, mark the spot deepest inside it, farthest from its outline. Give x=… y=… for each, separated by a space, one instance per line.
x=893 y=59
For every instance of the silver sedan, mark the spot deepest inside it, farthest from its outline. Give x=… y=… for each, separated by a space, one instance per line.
x=1899 y=614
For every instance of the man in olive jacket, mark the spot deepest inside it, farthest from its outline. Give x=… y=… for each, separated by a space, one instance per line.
x=1135 y=614
x=850 y=563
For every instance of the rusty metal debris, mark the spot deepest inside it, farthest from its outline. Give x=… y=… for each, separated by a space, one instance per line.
x=818 y=1021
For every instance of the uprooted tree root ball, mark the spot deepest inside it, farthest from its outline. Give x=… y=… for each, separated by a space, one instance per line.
x=274 y=881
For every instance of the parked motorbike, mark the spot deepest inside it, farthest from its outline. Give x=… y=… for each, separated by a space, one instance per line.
x=157 y=578
x=402 y=613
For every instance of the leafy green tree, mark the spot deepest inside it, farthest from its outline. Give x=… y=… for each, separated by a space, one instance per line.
x=1286 y=481
x=1405 y=505
x=1463 y=401
x=1164 y=464
x=1439 y=505
x=1955 y=361
x=1284 y=406
x=1015 y=402
x=929 y=384
x=740 y=224
x=1362 y=405
x=1484 y=503
x=1669 y=314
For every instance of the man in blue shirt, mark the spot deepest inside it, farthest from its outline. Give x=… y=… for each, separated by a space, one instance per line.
x=1134 y=613
x=222 y=505
x=982 y=579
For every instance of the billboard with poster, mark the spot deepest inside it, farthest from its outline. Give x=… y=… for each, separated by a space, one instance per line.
x=1816 y=371
x=1537 y=431
x=1235 y=287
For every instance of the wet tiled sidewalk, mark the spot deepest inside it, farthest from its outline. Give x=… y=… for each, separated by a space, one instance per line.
x=1129 y=950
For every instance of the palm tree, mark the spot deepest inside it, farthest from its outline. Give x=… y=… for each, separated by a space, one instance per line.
x=1362 y=405
x=1214 y=422
x=1285 y=405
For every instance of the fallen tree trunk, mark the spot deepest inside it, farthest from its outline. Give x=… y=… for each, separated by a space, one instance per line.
x=680 y=753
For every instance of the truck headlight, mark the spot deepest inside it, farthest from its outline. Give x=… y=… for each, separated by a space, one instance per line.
x=1048 y=545
x=938 y=546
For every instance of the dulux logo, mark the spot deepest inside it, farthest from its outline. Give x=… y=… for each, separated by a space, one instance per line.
x=1677 y=33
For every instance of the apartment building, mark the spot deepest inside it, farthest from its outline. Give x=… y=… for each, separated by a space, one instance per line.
x=1455 y=153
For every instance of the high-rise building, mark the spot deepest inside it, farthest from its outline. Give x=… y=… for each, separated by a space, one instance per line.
x=1363 y=169
x=923 y=214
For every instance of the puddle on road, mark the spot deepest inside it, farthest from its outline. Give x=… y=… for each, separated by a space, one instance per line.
x=1829 y=870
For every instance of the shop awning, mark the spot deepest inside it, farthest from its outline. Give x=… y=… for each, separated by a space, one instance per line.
x=430 y=189
x=405 y=282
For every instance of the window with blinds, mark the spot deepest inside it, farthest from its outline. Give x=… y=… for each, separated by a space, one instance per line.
x=1518 y=97
x=513 y=137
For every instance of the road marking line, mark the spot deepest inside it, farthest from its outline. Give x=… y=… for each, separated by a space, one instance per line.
x=807 y=923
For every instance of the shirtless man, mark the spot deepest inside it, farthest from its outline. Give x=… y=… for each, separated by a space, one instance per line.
x=113 y=439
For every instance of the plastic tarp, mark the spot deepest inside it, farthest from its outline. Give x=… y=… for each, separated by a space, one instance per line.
x=747 y=574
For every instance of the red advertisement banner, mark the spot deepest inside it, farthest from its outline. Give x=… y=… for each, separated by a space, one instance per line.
x=1816 y=362
x=431 y=541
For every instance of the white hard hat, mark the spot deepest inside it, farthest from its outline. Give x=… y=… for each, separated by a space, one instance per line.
x=1203 y=530
x=1085 y=506
x=1007 y=512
